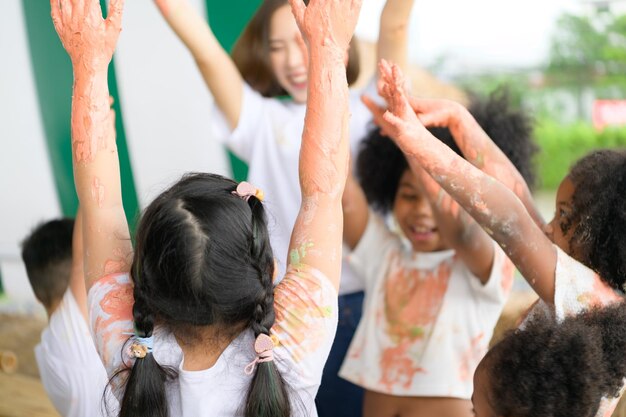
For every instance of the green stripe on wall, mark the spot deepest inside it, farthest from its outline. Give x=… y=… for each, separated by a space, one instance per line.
x=230 y=19
x=52 y=71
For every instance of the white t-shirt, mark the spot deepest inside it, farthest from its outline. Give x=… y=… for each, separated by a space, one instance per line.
x=70 y=368
x=268 y=138
x=577 y=288
x=305 y=304
x=427 y=320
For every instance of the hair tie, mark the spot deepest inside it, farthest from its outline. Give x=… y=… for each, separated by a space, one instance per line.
x=264 y=348
x=246 y=190
x=141 y=346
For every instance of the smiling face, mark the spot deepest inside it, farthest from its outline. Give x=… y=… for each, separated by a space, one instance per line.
x=560 y=229
x=286 y=55
x=414 y=214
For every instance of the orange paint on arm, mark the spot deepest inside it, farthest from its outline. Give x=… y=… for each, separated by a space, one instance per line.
x=97 y=191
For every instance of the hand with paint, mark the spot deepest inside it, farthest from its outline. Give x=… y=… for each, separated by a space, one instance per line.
x=88 y=38
x=324 y=21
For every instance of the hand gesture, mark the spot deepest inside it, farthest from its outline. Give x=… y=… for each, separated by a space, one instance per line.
x=437 y=112
x=88 y=38
x=325 y=21
x=402 y=123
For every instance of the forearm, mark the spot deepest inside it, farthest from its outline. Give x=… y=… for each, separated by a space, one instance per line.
x=483 y=153
x=324 y=151
x=393 y=34
x=216 y=67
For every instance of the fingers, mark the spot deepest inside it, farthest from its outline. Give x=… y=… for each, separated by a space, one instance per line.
x=114 y=16
x=66 y=11
x=55 y=12
x=298 y=8
x=374 y=108
x=394 y=121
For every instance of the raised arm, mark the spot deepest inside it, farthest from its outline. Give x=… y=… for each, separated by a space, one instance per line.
x=77 y=276
x=327 y=27
x=90 y=41
x=217 y=68
x=496 y=208
x=476 y=146
x=394 y=31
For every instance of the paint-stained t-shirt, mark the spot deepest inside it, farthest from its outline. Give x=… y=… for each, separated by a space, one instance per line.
x=427 y=320
x=305 y=304
x=576 y=289
x=268 y=138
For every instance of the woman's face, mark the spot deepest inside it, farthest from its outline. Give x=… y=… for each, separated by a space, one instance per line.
x=287 y=58
x=560 y=229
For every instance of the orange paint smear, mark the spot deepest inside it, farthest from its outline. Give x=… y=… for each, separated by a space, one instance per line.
x=397 y=367
x=97 y=191
x=472 y=357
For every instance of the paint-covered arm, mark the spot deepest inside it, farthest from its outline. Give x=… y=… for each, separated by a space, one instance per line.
x=90 y=41
x=77 y=276
x=476 y=146
x=457 y=228
x=217 y=67
x=492 y=204
x=355 y=212
x=393 y=32
x=327 y=27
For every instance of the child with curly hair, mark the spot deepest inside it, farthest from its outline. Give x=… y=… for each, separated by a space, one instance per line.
x=435 y=290
x=577 y=262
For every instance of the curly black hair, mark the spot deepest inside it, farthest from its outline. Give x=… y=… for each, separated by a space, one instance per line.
x=599 y=214
x=552 y=369
x=381 y=164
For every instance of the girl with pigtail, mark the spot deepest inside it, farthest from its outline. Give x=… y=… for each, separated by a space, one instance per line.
x=189 y=323
x=567 y=357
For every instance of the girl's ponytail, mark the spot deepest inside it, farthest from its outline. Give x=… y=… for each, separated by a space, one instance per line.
x=145 y=388
x=267 y=394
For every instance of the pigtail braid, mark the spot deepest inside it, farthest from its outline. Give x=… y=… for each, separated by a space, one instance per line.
x=145 y=389
x=267 y=394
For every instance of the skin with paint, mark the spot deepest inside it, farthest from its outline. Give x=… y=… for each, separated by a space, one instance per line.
x=327 y=27
x=286 y=58
x=432 y=220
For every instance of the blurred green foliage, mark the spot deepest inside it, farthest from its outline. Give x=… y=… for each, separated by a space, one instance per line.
x=562 y=145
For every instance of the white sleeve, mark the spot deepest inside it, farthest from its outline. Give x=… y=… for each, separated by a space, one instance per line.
x=242 y=139
x=368 y=255
x=498 y=286
x=70 y=369
x=577 y=288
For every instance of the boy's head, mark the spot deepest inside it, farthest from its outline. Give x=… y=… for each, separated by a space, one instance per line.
x=390 y=185
x=47 y=254
x=590 y=217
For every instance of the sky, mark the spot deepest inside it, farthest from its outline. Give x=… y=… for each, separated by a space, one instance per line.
x=477 y=34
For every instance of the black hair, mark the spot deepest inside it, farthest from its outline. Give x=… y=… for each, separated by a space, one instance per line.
x=47 y=254
x=552 y=369
x=203 y=258
x=381 y=164
x=599 y=214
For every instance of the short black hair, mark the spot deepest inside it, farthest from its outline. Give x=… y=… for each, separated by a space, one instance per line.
x=599 y=214
x=559 y=369
x=381 y=164
x=47 y=254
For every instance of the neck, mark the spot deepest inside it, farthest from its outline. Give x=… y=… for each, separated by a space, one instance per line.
x=205 y=347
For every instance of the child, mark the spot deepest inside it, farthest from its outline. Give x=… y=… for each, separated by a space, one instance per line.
x=70 y=369
x=199 y=292
x=580 y=261
x=265 y=132
x=431 y=304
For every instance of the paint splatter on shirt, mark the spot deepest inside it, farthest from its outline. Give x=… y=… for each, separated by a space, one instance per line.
x=427 y=320
x=305 y=303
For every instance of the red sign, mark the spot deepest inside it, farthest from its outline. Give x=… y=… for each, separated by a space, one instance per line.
x=608 y=113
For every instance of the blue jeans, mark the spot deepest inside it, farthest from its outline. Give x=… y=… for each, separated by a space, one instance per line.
x=336 y=396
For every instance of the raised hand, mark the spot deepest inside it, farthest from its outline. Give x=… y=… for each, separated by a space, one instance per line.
x=325 y=21
x=88 y=38
x=403 y=125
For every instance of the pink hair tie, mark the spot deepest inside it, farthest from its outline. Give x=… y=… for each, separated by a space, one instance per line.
x=264 y=348
x=246 y=190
